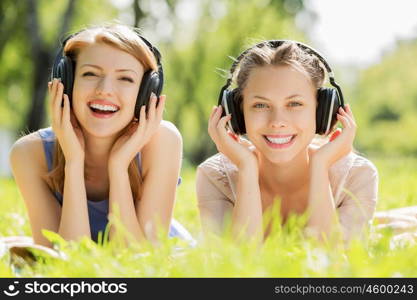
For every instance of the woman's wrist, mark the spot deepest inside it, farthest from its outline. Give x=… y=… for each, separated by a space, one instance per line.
x=318 y=169
x=76 y=162
x=117 y=167
x=248 y=169
x=249 y=166
x=317 y=162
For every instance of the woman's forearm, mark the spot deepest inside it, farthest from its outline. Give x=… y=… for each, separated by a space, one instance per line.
x=122 y=205
x=74 y=221
x=247 y=212
x=323 y=218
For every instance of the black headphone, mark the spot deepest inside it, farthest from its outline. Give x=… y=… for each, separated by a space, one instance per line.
x=329 y=99
x=152 y=81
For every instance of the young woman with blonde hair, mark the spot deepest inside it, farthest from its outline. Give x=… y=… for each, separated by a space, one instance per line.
x=108 y=152
x=265 y=131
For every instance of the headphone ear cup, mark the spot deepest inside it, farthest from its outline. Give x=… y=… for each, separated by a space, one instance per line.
x=239 y=122
x=232 y=102
x=68 y=78
x=151 y=82
x=64 y=69
x=328 y=105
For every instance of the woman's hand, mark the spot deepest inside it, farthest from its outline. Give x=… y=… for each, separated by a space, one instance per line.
x=137 y=134
x=229 y=144
x=341 y=141
x=64 y=123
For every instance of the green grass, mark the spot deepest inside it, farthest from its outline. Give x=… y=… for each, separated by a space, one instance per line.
x=285 y=254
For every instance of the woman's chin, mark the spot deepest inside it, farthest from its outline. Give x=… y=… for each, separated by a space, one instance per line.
x=280 y=159
x=102 y=132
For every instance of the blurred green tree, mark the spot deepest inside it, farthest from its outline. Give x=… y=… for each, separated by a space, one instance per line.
x=386 y=103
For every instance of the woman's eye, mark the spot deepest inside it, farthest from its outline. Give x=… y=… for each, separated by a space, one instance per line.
x=88 y=74
x=127 y=79
x=295 y=103
x=260 y=105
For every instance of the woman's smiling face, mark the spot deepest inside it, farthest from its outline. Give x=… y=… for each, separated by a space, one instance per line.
x=106 y=85
x=279 y=106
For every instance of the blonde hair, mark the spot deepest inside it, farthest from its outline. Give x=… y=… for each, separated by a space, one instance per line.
x=123 y=38
x=288 y=53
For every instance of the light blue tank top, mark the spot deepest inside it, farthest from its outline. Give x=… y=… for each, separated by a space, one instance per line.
x=98 y=210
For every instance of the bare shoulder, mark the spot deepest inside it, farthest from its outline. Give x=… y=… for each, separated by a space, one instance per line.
x=164 y=145
x=169 y=130
x=166 y=138
x=28 y=150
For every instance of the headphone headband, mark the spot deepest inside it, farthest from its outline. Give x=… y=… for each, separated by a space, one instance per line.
x=153 y=49
x=276 y=44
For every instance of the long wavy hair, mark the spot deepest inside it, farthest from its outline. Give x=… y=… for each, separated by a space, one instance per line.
x=120 y=37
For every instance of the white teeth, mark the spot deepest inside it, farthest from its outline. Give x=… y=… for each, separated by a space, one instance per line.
x=279 y=140
x=103 y=107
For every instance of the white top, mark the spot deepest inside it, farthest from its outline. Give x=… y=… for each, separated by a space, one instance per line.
x=353 y=181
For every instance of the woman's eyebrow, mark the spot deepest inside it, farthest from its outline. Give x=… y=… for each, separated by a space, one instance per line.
x=126 y=70
x=90 y=65
x=261 y=97
x=288 y=97
x=100 y=68
x=294 y=96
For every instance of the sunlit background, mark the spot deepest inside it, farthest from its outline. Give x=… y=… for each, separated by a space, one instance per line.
x=371 y=45
x=360 y=32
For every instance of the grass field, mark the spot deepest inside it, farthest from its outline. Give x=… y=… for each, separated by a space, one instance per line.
x=285 y=254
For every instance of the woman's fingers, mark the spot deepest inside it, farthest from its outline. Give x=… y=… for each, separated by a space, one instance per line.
x=348 y=125
x=57 y=90
x=221 y=125
x=66 y=117
x=214 y=119
x=160 y=107
x=213 y=111
x=349 y=111
x=217 y=124
x=217 y=114
x=152 y=107
x=142 y=115
x=347 y=122
x=348 y=114
x=54 y=85
x=142 y=118
x=343 y=119
x=51 y=102
x=58 y=94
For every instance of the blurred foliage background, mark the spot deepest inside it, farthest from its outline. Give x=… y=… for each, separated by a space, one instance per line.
x=198 y=40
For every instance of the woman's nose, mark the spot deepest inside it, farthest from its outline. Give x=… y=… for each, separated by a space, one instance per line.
x=278 y=119
x=105 y=86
